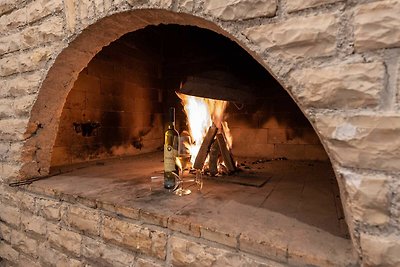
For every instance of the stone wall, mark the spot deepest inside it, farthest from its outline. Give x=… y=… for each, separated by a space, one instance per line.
x=45 y=44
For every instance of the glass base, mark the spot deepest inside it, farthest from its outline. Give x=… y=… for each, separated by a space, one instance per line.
x=182 y=192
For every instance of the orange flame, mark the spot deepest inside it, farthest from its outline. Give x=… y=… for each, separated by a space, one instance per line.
x=201 y=113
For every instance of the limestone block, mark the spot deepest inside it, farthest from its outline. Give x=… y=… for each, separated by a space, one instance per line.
x=297 y=37
x=13 y=20
x=24 y=84
x=48 y=31
x=380 y=250
x=142 y=239
x=10 y=43
x=42 y=8
x=189 y=253
x=370 y=142
x=146 y=263
x=28 y=261
x=238 y=10
x=223 y=237
x=184 y=225
x=105 y=254
x=296 y=5
x=9 y=65
x=153 y=218
x=5 y=232
x=10 y=215
x=35 y=59
x=54 y=257
x=12 y=129
x=86 y=220
x=70 y=15
x=49 y=208
x=16 y=107
x=342 y=86
x=8 y=5
x=8 y=253
x=99 y=6
x=186 y=5
x=369 y=196
x=86 y=12
x=24 y=243
x=64 y=238
x=33 y=224
x=377 y=25
x=27 y=201
x=107 y=5
x=9 y=171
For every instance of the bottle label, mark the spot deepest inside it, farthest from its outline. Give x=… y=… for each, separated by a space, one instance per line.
x=169 y=158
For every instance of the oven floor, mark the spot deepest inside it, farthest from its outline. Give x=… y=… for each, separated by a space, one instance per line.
x=295 y=213
x=302 y=190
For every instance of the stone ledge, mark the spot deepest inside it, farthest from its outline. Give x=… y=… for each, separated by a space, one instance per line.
x=257 y=232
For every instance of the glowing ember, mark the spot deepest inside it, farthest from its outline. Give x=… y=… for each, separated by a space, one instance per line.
x=201 y=113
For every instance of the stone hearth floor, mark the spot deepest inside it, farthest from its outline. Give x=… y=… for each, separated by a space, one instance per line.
x=295 y=214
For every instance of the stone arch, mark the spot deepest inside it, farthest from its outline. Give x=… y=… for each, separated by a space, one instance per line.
x=72 y=59
x=46 y=112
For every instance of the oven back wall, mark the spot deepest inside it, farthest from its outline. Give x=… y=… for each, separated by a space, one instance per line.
x=113 y=108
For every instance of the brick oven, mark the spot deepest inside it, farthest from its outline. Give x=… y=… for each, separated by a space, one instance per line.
x=313 y=112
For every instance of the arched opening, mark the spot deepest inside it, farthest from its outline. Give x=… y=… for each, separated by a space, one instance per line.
x=122 y=95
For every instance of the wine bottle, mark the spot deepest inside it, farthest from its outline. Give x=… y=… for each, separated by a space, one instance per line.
x=170 y=152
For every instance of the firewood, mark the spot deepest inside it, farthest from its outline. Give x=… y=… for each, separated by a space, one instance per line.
x=205 y=147
x=213 y=161
x=226 y=154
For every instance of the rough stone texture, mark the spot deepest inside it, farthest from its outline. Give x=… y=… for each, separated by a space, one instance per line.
x=49 y=208
x=380 y=250
x=12 y=20
x=141 y=239
x=5 y=232
x=8 y=5
x=41 y=8
x=24 y=243
x=10 y=43
x=33 y=224
x=10 y=215
x=70 y=15
x=63 y=238
x=35 y=59
x=377 y=25
x=146 y=263
x=50 y=30
x=8 y=253
x=105 y=254
x=86 y=220
x=189 y=253
x=238 y=10
x=343 y=86
x=369 y=142
x=22 y=85
x=369 y=195
x=53 y=257
x=295 y=5
x=297 y=37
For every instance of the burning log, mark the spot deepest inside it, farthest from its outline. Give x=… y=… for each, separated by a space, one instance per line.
x=205 y=147
x=226 y=154
x=213 y=162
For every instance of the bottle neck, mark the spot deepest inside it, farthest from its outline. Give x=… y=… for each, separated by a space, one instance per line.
x=171 y=124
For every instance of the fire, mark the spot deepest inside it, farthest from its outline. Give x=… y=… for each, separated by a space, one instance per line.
x=201 y=113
